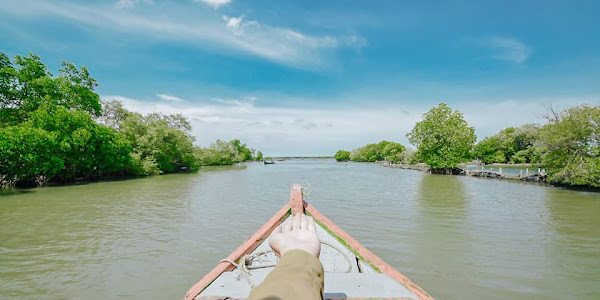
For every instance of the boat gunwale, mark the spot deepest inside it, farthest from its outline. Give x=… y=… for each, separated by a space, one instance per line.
x=294 y=206
x=248 y=246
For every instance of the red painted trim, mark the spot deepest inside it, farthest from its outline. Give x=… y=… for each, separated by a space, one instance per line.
x=242 y=250
x=296 y=201
x=368 y=255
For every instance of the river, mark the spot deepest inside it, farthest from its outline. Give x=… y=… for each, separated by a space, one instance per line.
x=152 y=238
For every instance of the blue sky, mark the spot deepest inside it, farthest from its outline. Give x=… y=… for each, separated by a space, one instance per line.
x=310 y=77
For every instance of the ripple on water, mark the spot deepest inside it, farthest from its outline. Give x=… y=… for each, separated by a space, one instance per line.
x=152 y=238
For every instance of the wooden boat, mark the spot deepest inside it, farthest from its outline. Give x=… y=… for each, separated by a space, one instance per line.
x=269 y=162
x=351 y=270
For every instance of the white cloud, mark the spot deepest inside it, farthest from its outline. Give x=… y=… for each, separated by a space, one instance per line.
x=124 y=4
x=168 y=97
x=233 y=22
x=238 y=25
x=311 y=131
x=214 y=3
x=510 y=49
x=203 y=29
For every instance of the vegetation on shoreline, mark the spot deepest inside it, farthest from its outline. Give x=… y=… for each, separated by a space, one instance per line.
x=511 y=145
x=443 y=138
x=382 y=151
x=568 y=146
x=56 y=129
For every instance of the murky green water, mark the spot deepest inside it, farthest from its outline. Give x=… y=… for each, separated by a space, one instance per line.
x=152 y=238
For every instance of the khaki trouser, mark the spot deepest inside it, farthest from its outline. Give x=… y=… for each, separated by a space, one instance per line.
x=298 y=275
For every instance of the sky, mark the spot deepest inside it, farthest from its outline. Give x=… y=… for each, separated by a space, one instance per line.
x=312 y=77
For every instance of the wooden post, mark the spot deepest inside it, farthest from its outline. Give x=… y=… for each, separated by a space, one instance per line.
x=527 y=172
x=521 y=173
x=500 y=170
x=296 y=199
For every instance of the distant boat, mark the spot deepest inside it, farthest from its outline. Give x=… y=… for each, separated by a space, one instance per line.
x=351 y=270
x=269 y=162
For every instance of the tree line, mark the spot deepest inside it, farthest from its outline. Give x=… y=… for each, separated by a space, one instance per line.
x=567 y=146
x=56 y=129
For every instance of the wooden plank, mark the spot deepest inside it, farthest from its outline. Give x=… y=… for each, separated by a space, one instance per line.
x=242 y=250
x=368 y=255
x=296 y=199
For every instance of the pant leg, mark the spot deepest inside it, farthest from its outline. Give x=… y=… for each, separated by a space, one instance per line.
x=298 y=275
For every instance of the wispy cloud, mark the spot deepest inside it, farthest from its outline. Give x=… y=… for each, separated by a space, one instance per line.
x=510 y=49
x=123 y=4
x=231 y=101
x=168 y=97
x=205 y=29
x=214 y=3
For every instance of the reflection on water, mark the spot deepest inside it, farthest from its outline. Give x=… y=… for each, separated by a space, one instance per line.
x=443 y=231
x=443 y=197
x=458 y=237
x=575 y=242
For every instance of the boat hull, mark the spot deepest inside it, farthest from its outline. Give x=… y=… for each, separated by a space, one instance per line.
x=351 y=270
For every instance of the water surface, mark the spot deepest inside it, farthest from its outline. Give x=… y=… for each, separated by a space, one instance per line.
x=152 y=238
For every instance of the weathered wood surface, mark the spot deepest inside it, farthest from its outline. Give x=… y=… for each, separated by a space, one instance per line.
x=296 y=199
x=486 y=173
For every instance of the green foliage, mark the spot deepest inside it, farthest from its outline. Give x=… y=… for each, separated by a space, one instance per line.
x=392 y=152
x=224 y=153
x=513 y=145
x=160 y=143
x=58 y=144
x=488 y=151
x=408 y=157
x=28 y=153
x=27 y=85
x=443 y=138
x=48 y=132
x=243 y=152
x=342 y=155
x=88 y=149
x=384 y=150
x=259 y=156
x=570 y=146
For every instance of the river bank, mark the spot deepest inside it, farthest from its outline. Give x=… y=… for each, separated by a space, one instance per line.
x=539 y=176
x=6 y=185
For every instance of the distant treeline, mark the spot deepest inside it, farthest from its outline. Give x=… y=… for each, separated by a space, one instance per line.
x=382 y=151
x=56 y=129
x=567 y=146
